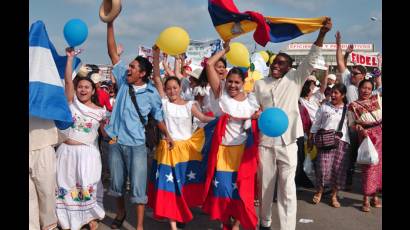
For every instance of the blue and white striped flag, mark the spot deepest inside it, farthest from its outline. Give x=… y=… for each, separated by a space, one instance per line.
x=46 y=76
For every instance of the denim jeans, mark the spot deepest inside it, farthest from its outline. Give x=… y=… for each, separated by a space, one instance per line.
x=128 y=161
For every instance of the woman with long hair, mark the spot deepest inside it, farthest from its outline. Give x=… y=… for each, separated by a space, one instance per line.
x=171 y=165
x=331 y=166
x=80 y=191
x=365 y=116
x=225 y=185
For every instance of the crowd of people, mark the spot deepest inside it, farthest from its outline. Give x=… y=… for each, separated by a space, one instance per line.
x=238 y=175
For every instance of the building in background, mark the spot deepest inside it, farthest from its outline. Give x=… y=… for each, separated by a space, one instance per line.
x=363 y=54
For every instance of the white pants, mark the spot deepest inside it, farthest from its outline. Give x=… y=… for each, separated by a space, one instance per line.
x=278 y=162
x=42 y=185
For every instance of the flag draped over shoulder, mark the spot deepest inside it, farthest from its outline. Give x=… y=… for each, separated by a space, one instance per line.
x=230 y=23
x=46 y=73
x=231 y=178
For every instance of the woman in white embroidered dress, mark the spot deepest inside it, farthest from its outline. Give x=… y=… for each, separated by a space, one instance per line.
x=178 y=115
x=80 y=191
x=228 y=97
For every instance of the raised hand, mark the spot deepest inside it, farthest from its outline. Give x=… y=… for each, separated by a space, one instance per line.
x=338 y=38
x=327 y=25
x=349 y=48
x=70 y=52
x=226 y=46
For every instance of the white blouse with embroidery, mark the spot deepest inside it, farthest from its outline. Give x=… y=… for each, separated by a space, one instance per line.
x=86 y=123
x=328 y=117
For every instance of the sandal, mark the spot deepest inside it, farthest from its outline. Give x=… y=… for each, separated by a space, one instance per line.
x=317 y=197
x=93 y=224
x=117 y=223
x=375 y=202
x=335 y=203
x=366 y=207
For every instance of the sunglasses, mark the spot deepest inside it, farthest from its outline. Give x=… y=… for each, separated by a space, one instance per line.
x=356 y=73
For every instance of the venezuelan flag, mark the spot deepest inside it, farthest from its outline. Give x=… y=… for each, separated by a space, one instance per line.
x=230 y=178
x=230 y=23
x=177 y=176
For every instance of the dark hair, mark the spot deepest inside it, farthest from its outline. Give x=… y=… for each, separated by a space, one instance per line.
x=236 y=70
x=328 y=91
x=172 y=78
x=144 y=65
x=361 y=68
x=287 y=56
x=342 y=89
x=94 y=97
x=203 y=78
x=364 y=81
x=306 y=88
x=222 y=60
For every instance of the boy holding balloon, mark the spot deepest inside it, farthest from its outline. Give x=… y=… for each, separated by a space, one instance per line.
x=278 y=154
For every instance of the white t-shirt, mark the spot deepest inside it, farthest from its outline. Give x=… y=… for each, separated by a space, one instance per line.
x=352 y=93
x=328 y=117
x=178 y=119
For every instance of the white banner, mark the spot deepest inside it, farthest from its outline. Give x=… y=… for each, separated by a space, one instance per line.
x=198 y=50
x=329 y=46
x=365 y=60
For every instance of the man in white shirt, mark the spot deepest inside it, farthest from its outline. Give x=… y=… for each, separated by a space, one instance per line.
x=350 y=79
x=278 y=156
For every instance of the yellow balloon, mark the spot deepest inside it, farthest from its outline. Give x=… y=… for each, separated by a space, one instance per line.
x=173 y=40
x=271 y=59
x=264 y=55
x=250 y=80
x=238 y=55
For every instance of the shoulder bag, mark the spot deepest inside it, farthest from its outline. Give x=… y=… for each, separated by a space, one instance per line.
x=152 y=133
x=329 y=139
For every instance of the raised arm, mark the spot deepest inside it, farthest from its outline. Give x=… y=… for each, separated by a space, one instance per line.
x=327 y=26
x=341 y=66
x=68 y=78
x=306 y=67
x=111 y=45
x=198 y=114
x=157 y=77
x=213 y=77
x=349 y=50
x=323 y=83
x=165 y=63
x=177 y=69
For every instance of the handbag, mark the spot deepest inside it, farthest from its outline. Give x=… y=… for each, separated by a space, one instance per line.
x=152 y=133
x=367 y=153
x=329 y=139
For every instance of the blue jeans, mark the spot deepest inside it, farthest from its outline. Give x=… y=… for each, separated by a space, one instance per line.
x=129 y=161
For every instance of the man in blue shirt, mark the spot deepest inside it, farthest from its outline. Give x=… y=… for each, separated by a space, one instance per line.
x=128 y=153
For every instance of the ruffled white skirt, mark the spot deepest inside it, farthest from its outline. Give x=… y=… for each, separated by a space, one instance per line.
x=79 y=192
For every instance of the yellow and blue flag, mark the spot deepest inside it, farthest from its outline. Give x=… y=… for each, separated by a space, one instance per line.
x=230 y=23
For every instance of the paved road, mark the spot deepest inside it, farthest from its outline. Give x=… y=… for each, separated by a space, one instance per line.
x=348 y=217
x=325 y=217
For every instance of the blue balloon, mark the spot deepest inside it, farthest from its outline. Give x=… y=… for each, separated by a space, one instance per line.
x=75 y=32
x=273 y=122
x=244 y=69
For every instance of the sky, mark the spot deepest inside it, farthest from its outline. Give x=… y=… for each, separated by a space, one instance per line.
x=141 y=21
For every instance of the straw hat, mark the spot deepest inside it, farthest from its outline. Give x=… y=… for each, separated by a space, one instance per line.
x=95 y=77
x=109 y=10
x=83 y=71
